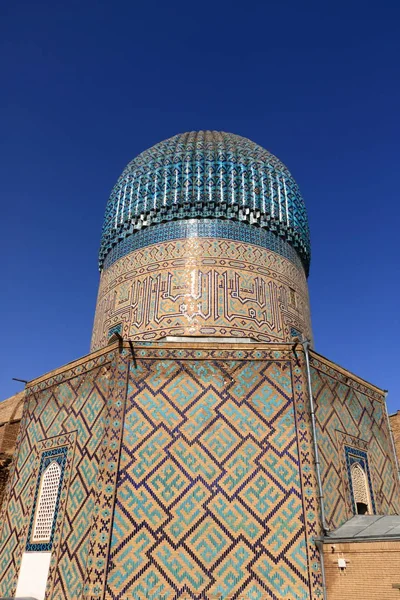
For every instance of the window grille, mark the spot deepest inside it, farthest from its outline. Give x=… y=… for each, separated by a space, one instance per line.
x=47 y=503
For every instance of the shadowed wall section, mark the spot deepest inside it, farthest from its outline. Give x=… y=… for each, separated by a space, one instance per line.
x=10 y=419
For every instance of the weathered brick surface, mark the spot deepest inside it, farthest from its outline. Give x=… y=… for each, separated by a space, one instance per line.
x=10 y=418
x=11 y=408
x=371 y=570
x=8 y=437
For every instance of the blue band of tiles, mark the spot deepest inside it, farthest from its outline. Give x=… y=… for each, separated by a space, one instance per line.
x=58 y=455
x=202 y=228
x=354 y=455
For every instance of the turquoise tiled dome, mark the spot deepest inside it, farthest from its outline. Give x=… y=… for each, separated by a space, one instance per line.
x=206 y=174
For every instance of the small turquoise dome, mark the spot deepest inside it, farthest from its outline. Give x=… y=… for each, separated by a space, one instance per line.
x=206 y=174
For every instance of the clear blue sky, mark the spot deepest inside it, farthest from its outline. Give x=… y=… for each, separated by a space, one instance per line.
x=88 y=85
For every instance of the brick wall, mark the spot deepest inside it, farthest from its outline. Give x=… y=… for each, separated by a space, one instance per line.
x=371 y=570
x=8 y=438
x=395 y=424
x=10 y=418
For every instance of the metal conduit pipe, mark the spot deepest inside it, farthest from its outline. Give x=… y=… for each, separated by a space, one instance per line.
x=306 y=345
x=318 y=541
x=396 y=460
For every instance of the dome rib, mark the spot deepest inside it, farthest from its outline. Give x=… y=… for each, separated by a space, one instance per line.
x=206 y=174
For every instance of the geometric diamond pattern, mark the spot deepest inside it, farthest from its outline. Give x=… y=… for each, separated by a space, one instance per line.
x=351 y=413
x=220 y=439
x=208 y=542
x=210 y=466
x=75 y=405
x=189 y=472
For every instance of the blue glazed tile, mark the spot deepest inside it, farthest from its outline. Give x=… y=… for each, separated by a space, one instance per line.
x=202 y=228
x=206 y=174
x=115 y=329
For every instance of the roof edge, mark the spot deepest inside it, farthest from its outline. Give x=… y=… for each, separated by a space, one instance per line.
x=346 y=372
x=359 y=539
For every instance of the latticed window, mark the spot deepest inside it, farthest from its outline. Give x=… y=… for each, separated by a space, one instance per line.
x=47 y=503
x=360 y=487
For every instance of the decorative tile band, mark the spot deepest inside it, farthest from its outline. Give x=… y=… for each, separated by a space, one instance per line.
x=203 y=286
x=202 y=228
x=79 y=367
x=346 y=378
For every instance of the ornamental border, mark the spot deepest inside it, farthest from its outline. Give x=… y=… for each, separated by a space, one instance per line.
x=204 y=229
x=347 y=378
x=58 y=455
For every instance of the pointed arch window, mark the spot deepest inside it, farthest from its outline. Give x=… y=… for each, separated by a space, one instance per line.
x=361 y=495
x=359 y=479
x=47 y=500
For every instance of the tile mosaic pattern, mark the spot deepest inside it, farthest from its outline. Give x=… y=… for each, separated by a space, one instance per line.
x=215 y=494
x=203 y=228
x=104 y=499
x=203 y=287
x=295 y=333
x=58 y=455
x=115 y=329
x=68 y=410
x=215 y=446
x=350 y=413
x=206 y=174
x=16 y=514
x=355 y=455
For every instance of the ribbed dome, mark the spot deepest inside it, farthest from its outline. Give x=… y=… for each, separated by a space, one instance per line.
x=206 y=174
